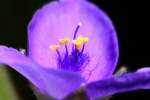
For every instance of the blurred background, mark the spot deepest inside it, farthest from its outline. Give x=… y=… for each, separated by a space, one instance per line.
x=131 y=20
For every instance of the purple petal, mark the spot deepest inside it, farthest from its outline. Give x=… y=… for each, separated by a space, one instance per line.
x=56 y=20
x=52 y=82
x=143 y=69
x=123 y=83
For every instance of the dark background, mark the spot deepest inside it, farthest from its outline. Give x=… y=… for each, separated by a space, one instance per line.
x=131 y=20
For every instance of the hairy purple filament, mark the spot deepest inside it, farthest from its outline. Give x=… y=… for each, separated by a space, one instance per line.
x=66 y=50
x=83 y=48
x=76 y=60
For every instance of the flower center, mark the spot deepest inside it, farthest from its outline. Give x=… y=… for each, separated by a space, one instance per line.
x=76 y=60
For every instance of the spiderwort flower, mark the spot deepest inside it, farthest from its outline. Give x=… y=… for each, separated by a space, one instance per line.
x=72 y=42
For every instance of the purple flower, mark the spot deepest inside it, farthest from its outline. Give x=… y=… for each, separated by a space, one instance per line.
x=72 y=43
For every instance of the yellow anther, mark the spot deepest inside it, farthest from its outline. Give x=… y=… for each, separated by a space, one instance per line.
x=77 y=44
x=54 y=47
x=64 y=41
x=85 y=39
x=80 y=38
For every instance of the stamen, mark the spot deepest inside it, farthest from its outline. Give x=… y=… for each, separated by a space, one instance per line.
x=55 y=47
x=77 y=44
x=84 y=40
x=64 y=41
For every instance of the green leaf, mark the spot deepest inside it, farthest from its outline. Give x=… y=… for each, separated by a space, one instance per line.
x=7 y=91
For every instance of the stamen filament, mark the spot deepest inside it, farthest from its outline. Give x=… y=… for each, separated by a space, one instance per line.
x=66 y=50
x=58 y=53
x=83 y=48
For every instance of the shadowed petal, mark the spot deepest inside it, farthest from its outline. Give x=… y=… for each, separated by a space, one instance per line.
x=123 y=83
x=55 y=83
x=56 y=20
